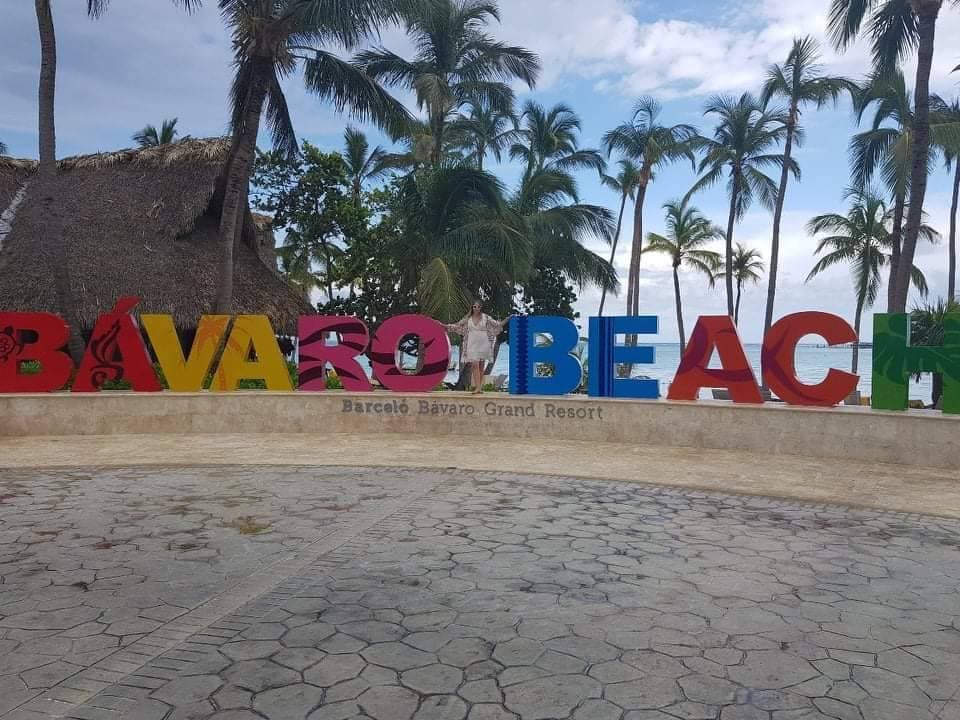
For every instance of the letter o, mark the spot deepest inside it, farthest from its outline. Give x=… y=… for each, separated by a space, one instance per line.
x=434 y=345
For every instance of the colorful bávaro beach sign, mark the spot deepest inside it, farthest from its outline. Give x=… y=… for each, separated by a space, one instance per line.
x=244 y=347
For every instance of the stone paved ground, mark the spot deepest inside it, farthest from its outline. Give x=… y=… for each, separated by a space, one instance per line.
x=328 y=594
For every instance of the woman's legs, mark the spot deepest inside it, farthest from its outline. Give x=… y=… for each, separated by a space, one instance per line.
x=478 y=377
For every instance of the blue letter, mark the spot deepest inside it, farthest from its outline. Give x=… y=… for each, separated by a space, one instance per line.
x=526 y=355
x=604 y=355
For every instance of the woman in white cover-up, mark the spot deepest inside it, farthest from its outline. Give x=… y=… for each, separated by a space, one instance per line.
x=479 y=332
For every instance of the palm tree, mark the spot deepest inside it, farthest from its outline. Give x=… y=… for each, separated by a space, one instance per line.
x=949 y=112
x=3 y=148
x=271 y=39
x=897 y=27
x=484 y=131
x=548 y=139
x=747 y=268
x=928 y=327
x=744 y=136
x=800 y=82
x=625 y=184
x=362 y=165
x=886 y=148
x=458 y=236
x=651 y=146
x=688 y=231
x=456 y=62
x=48 y=74
x=555 y=222
x=862 y=239
x=149 y=136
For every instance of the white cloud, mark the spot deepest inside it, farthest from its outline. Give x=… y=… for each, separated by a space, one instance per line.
x=603 y=41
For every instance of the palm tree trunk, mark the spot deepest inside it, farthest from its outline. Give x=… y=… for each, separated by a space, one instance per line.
x=952 y=249
x=927 y=11
x=855 y=364
x=636 y=251
x=729 y=268
x=613 y=251
x=48 y=85
x=237 y=183
x=896 y=238
x=676 y=292
x=777 y=219
x=736 y=309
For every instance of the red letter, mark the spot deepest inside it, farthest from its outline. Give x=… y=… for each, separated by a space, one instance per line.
x=779 y=351
x=735 y=374
x=434 y=353
x=352 y=336
x=117 y=352
x=55 y=365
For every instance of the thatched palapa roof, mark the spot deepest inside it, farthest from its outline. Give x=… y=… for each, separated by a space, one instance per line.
x=135 y=222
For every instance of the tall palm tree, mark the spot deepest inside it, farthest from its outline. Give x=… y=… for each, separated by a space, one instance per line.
x=362 y=164
x=150 y=136
x=485 y=130
x=800 y=81
x=741 y=146
x=625 y=184
x=48 y=74
x=862 y=239
x=456 y=62
x=949 y=112
x=687 y=232
x=651 y=146
x=897 y=28
x=271 y=40
x=885 y=148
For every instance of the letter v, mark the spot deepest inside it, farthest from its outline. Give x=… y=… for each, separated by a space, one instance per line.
x=185 y=374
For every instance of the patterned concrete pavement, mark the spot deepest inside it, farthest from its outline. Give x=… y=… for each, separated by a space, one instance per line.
x=335 y=593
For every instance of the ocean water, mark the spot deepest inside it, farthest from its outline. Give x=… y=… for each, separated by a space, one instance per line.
x=812 y=363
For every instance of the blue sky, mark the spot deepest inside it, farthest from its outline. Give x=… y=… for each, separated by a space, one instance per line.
x=144 y=61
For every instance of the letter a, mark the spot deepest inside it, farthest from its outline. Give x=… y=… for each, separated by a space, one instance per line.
x=715 y=332
x=252 y=335
x=116 y=351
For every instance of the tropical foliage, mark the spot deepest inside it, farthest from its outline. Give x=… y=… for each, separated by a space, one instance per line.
x=150 y=136
x=897 y=29
x=456 y=63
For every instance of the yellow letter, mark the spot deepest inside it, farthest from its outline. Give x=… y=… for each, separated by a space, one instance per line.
x=185 y=375
x=252 y=335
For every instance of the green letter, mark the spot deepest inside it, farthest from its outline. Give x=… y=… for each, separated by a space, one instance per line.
x=894 y=360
